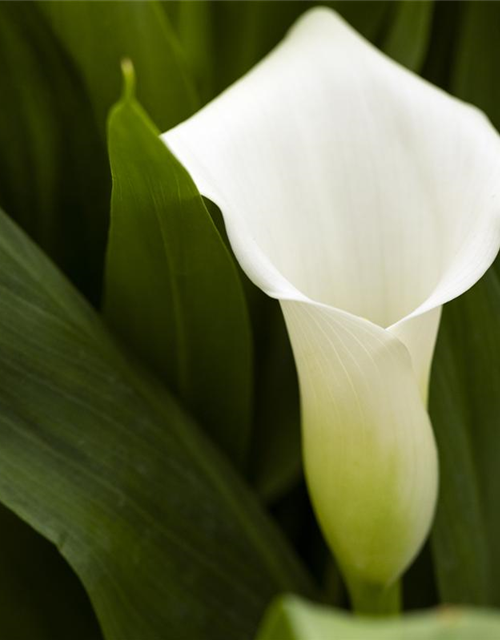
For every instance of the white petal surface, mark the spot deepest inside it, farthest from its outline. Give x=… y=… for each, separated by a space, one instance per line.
x=360 y=185
x=363 y=199
x=369 y=451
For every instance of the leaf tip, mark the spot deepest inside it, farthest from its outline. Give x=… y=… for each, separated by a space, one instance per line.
x=128 y=73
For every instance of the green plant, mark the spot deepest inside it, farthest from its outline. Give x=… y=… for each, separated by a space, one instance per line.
x=149 y=414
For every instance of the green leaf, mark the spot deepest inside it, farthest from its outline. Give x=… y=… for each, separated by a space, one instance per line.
x=239 y=34
x=465 y=410
x=102 y=461
x=475 y=72
x=293 y=619
x=368 y=17
x=408 y=38
x=98 y=36
x=192 y=22
x=53 y=167
x=172 y=289
x=245 y=32
x=275 y=459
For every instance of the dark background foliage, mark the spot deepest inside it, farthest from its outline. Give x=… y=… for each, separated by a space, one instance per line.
x=59 y=77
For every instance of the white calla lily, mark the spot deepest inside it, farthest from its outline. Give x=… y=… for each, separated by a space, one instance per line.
x=362 y=198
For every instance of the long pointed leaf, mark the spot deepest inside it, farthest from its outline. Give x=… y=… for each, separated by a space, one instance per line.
x=98 y=35
x=53 y=166
x=103 y=463
x=475 y=72
x=172 y=289
x=465 y=409
x=408 y=37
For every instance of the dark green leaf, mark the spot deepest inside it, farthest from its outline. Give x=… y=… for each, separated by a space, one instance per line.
x=475 y=72
x=241 y=33
x=244 y=32
x=469 y=365
x=370 y=18
x=293 y=619
x=98 y=35
x=194 y=28
x=465 y=411
x=53 y=167
x=172 y=289
x=102 y=462
x=408 y=37
x=275 y=459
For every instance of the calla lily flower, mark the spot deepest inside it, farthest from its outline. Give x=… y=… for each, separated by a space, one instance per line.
x=363 y=199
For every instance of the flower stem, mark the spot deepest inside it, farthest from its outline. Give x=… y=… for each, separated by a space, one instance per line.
x=375 y=600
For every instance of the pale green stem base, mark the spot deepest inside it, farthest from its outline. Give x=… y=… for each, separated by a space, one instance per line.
x=374 y=600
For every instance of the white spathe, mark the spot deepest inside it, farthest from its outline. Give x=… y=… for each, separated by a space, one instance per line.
x=362 y=198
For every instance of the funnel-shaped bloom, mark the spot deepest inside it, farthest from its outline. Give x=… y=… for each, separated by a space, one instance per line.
x=362 y=198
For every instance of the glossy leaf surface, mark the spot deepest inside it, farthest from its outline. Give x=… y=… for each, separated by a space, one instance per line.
x=293 y=619
x=53 y=168
x=172 y=289
x=408 y=37
x=104 y=464
x=97 y=36
x=465 y=409
x=475 y=69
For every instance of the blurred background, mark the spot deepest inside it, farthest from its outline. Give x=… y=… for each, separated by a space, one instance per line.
x=59 y=77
